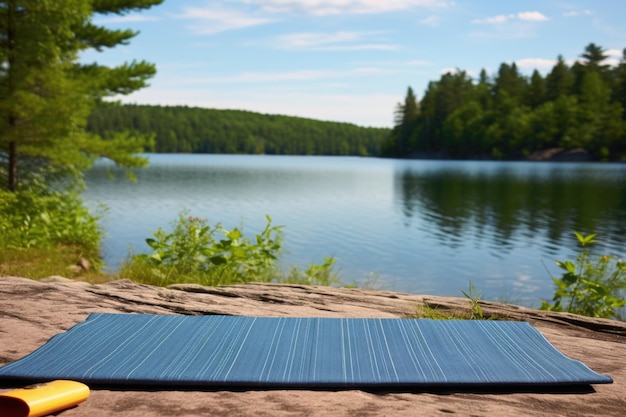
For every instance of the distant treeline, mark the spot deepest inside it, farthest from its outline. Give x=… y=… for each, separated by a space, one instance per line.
x=510 y=116
x=182 y=129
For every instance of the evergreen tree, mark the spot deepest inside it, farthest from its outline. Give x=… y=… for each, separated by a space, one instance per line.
x=536 y=93
x=619 y=92
x=484 y=91
x=440 y=100
x=46 y=95
x=512 y=117
x=559 y=81
x=509 y=85
x=405 y=123
x=593 y=56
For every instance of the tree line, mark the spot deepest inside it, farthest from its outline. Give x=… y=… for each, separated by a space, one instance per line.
x=182 y=129
x=511 y=116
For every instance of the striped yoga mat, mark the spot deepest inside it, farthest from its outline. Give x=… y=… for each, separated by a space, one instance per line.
x=226 y=351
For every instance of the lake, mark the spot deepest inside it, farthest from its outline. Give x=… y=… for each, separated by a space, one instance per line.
x=416 y=226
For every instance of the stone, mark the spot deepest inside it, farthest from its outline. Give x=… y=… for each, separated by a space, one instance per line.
x=33 y=311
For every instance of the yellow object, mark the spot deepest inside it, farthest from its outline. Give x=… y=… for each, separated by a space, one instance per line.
x=42 y=399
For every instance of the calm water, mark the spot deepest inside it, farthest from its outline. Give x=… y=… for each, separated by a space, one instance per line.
x=416 y=226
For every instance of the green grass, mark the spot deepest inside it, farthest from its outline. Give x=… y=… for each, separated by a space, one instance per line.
x=37 y=263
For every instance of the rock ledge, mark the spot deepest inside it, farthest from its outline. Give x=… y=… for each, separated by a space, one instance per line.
x=33 y=311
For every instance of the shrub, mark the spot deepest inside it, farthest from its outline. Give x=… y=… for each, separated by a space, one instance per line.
x=592 y=286
x=40 y=218
x=195 y=252
x=45 y=230
x=314 y=275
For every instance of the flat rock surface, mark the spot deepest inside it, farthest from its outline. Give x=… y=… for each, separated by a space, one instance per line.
x=33 y=311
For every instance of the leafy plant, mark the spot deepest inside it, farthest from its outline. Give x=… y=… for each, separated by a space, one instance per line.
x=38 y=217
x=195 y=252
x=45 y=230
x=476 y=311
x=592 y=285
x=314 y=275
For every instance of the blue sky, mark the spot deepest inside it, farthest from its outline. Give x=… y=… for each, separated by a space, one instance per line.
x=347 y=60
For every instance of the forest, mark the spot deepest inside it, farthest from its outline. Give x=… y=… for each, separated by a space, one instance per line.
x=503 y=116
x=511 y=116
x=181 y=129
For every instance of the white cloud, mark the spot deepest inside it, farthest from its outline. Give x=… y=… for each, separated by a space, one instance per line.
x=614 y=52
x=306 y=40
x=449 y=70
x=431 y=21
x=535 y=63
x=493 y=20
x=532 y=16
x=334 y=7
x=374 y=71
x=211 y=20
x=502 y=18
x=362 y=47
x=337 y=41
x=284 y=76
x=418 y=63
x=575 y=13
x=262 y=77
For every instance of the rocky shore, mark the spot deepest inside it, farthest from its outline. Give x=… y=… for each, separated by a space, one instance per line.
x=33 y=311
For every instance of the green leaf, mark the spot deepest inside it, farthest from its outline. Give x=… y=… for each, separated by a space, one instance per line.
x=585 y=240
x=234 y=234
x=45 y=216
x=218 y=260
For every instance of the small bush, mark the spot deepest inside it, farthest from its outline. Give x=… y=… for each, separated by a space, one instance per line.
x=195 y=252
x=314 y=275
x=40 y=218
x=592 y=286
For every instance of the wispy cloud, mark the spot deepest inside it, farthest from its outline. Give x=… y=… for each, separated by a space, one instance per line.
x=431 y=21
x=217 y=17
x=335 y=7
x=532 y=16
x=282 y=77
x=615 y=56
x=574 y=13
x=614 y=52
x=262 y=77
x=336 y=41
x=418 y=63
x=210 y=20
x=535 y=63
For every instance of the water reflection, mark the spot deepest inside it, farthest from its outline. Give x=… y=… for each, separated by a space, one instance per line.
x=420 y=226
x=503 y=204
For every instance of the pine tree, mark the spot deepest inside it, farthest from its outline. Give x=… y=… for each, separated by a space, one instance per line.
x=405 y=123
x=559 y=81
x=619 y=93
x=536 y=94
x=594 y=55
x=46 y=95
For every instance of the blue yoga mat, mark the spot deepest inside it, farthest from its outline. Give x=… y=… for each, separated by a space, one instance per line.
x=226 y=351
